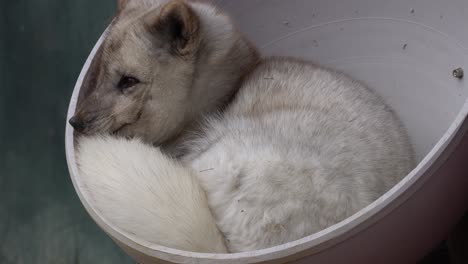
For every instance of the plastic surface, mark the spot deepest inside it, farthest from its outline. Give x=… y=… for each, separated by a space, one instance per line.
x=406 y=51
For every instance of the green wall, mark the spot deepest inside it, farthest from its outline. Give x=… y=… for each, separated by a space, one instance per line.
x=43 y=44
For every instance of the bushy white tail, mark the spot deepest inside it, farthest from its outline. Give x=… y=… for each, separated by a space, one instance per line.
x=147 y=194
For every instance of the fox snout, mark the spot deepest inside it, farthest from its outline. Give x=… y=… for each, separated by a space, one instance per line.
x=83 y=123
x=77 y=123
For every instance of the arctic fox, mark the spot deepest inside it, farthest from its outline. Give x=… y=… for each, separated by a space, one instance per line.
x=235 y=153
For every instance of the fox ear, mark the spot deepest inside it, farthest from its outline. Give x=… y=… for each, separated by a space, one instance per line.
x=178 y=24
x=121 y=4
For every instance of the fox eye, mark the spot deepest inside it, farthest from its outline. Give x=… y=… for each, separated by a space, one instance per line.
x=127 y=82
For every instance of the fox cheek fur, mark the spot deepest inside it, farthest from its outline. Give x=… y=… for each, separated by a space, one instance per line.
x=106 y=112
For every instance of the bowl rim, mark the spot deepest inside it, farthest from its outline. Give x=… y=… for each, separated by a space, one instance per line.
x=314 y=243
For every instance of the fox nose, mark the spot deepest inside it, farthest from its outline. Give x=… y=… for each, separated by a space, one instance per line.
x=77 y=123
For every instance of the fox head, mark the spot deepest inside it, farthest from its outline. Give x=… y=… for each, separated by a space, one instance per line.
x=161 y=66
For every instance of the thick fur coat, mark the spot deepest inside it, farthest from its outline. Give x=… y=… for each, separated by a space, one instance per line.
x=297 y=149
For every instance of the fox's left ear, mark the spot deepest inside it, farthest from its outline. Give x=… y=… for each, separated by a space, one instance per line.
x=177 y=23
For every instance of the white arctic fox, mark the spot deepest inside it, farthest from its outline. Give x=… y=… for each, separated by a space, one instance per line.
x=250 y=153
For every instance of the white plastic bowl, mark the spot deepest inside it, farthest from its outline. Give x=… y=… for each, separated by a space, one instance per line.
x=405 y=50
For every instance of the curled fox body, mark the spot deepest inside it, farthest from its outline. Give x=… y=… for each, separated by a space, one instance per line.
x=214 y=149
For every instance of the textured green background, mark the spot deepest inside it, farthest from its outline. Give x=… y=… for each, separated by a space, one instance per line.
x=43 y=44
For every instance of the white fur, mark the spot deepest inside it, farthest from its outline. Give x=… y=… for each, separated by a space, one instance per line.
x=298 y=149
x=147 y=194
